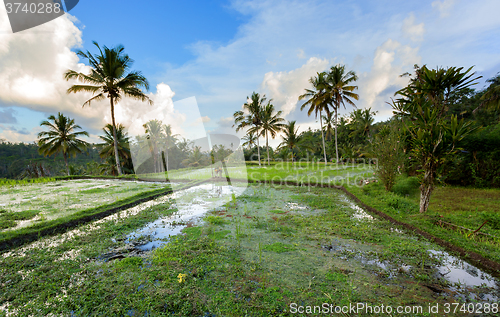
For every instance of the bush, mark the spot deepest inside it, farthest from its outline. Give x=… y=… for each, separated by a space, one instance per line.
x=401 y=204
x=406 y=186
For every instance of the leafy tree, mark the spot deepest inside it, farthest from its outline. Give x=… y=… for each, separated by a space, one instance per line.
x=108 y=78
x=251 y=117
x=491 y=97
x=340 y=92
x=387 y=148
x=61 y=138
x=435 y=137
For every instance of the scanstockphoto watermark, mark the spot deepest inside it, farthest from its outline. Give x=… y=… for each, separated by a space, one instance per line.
x=26 y=14
x=366 y=308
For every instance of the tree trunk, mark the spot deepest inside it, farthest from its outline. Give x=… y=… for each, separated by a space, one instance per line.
x=66 y=162
x=336 y=146
x=115 y=141
x=258 y=148
x=267 y=146
x=426 y=189
x=167 y=153
x=322 y=135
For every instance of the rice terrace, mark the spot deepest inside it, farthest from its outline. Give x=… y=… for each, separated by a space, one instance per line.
x=261 y=177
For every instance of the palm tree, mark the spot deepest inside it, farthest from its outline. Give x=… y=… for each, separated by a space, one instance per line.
x=108 y=78
x=253 y=119
x=154 y=135
x=108 y=147
x=169 y=138
x=318 y=101
x=250 y=140
x=195 y=159
x=291 y=138
x=61 y=138
x=329 y=125
x=361 y=121
x=271 y=124
x=340 y=92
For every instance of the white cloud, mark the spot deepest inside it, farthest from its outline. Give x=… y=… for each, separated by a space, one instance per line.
x=286 y=87
x=444 y=7
x=414 y=31
x=378 y=86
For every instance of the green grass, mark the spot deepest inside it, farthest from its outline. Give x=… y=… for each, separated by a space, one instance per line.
x=22 y=215
x=235 y=268
x=465 y=207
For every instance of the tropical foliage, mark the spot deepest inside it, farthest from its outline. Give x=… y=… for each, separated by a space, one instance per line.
x=61 y=137
x=108 y=78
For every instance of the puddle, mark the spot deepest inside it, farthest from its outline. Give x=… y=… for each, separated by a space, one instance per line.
x=457 y=271
x=191 y=204
x=357 y=212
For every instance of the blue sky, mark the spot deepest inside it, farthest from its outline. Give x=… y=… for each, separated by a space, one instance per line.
x=221 y=51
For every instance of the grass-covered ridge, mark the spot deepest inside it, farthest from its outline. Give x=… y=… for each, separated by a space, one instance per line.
x=11 y=238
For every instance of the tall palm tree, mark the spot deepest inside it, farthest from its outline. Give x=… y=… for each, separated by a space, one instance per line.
x=271 y=124
x=291 y=138
x=169 y=139
x=340 y=92
x=108 y=78
x=108 y=147
x=61 y=138
x=318 y=101
x=154 y=135
x=252 y=118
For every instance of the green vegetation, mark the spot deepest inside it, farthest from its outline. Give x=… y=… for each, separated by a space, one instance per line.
x=108 y=78
x=258 y=265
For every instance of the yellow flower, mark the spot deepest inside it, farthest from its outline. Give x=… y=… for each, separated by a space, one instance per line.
x=181 y=277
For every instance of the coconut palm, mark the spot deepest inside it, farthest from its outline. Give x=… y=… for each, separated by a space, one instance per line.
x=271 y=124
x=329 y=125
x=108 y=78
x=61 y=138
x=318 y=101
x=361 y=122
x=251 y=116
x=340 y=92
x=170 y=139
x=250 y=139
x=108 y=147
x=155 y=136
x=291 y=138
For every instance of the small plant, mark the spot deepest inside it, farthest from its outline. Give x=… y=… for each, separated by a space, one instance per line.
x=215 y=220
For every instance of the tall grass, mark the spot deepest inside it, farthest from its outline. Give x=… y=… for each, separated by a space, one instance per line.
x=20 y=182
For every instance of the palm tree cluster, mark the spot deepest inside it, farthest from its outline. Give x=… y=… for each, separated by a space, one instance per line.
x=330 y=90
x=260 y=119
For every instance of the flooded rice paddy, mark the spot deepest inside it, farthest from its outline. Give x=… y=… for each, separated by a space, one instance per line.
x=223 y=250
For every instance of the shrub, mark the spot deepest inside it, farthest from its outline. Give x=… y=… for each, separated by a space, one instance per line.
x=406 y=186
x=215 y=220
